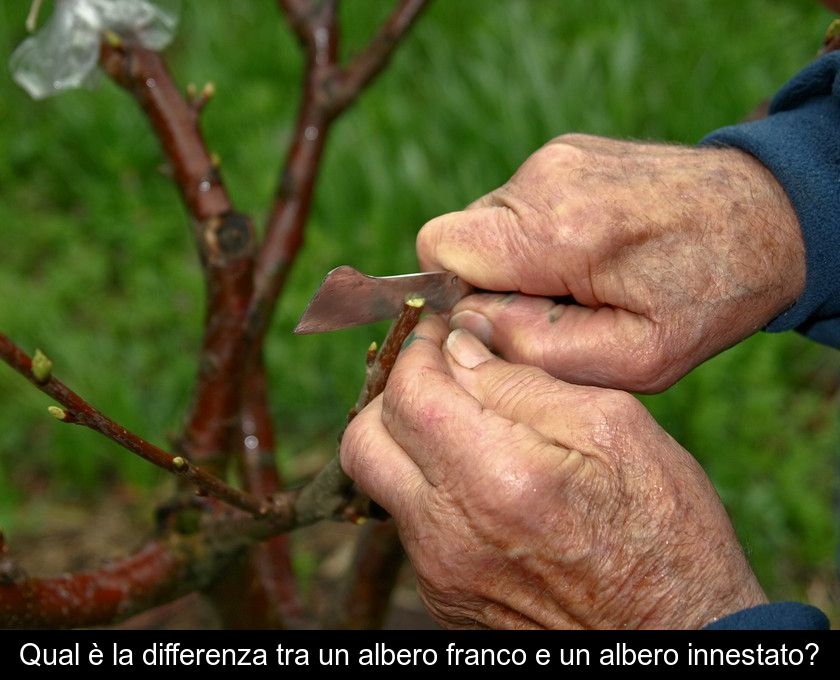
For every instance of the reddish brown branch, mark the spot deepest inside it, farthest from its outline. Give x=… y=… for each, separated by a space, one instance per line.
x=380 y=367
x=161 y=571
x=224 y=239
x=365 y=593
x=331 y=484
x=297 y=14
x=268 y=564
x=78 y=411
x=328 y=91
x=240 y=303
x=355 y=77
x=164 y=570
x=284 y=229
x=108 y=594
x=144 y=74
x=225 y=244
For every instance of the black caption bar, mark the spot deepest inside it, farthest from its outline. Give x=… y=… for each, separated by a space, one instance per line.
x=304 y=652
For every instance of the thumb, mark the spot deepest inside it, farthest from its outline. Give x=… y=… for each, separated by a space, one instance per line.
x=605 y=346
x=491 y=248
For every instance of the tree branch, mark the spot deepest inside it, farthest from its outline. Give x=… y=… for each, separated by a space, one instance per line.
x=164 y=569
x=354 y=77
x=296 y=13
x=365 y=591
x=268 y=563
x=379 y=367
x=104 y=595
x=178 y=563
x=328 y=91
x=224 y=239
x=225 y=243
x=242 y=291
x=77 y=411
x=331 y=484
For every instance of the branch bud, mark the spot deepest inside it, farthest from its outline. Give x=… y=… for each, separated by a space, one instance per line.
x=113 y=39
x=371 y=353
x=41 y=366
x=180 y=464
x=58 y=413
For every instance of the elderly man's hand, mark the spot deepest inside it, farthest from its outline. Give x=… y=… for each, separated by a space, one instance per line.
x=672 y=253
x=524 y=501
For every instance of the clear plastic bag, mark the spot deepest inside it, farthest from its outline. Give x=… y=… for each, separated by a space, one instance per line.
x=64 y=53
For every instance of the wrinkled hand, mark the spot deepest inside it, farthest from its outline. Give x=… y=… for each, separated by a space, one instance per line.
x=523 y=501
x=672 y=253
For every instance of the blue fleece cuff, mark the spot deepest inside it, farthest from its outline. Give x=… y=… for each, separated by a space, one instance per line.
x=774 y=616
x=799 y=142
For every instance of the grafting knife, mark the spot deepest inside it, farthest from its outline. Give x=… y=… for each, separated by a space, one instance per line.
x=348 y=298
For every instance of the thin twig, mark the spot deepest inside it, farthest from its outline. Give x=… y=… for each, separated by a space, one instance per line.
x=380 y=367
x=78 y=411
x=353 y=78
x=328 y=91
x=32 y=16
x=330 y=494
x=296 y=16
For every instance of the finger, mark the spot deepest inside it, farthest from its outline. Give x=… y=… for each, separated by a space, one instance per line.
x=443 y=428
x=378 y=465
x=574 y=416
x=605 y=346
x=492 y=248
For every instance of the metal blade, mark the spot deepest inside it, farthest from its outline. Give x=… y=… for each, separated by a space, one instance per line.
x=349 y=298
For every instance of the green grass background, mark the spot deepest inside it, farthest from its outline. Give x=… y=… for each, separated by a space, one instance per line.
x=97 y=266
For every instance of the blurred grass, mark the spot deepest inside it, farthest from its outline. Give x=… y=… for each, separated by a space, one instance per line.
x=97 y=267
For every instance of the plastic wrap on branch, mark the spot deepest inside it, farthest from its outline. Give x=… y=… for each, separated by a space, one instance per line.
x=64 y=53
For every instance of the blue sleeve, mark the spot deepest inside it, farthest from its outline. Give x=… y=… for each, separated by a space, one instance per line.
x=799 y=142
x=775 y=616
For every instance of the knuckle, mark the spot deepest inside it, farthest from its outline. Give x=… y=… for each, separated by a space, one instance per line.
x=526 y=226
x=567 y=149
x=641 y=358
x=514 y=480
x=621 y=407
x=411 y=399
x=609 y=415
x=648 y=369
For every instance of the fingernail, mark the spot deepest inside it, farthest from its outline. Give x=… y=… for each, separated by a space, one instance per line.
x=466 y=349
x=477 y=324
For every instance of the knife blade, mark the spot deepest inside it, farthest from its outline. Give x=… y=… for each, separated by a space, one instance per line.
x=347 y=297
